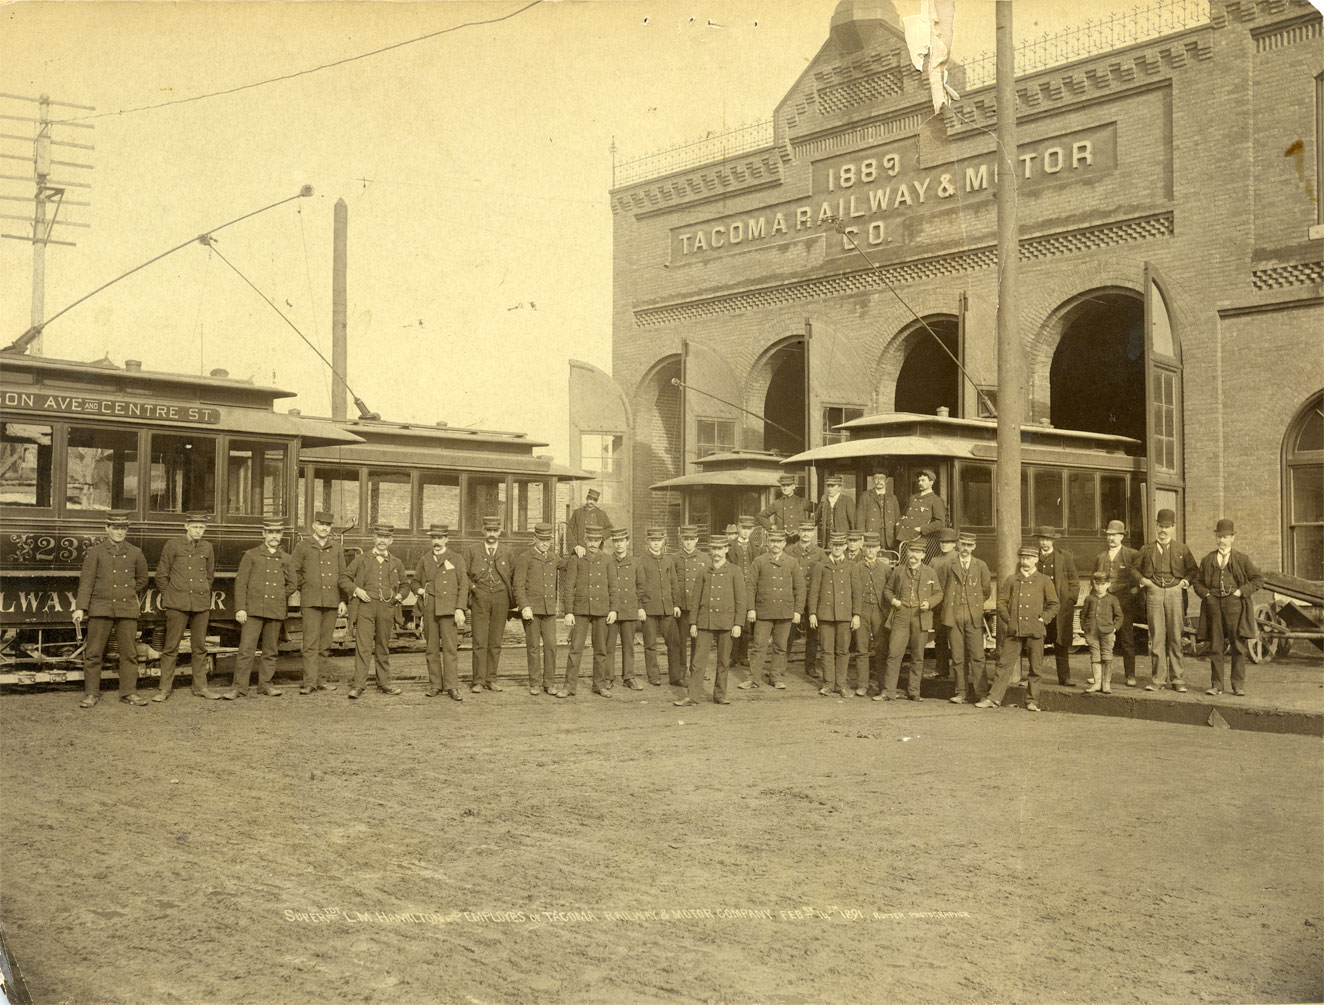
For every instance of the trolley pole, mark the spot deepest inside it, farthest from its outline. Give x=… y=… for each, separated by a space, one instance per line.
x=1011 y=370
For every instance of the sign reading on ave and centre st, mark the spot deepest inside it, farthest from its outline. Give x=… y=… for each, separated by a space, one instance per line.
x=82 y=404
x=872 y=192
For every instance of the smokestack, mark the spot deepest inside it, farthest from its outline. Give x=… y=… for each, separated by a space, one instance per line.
x=339 y=330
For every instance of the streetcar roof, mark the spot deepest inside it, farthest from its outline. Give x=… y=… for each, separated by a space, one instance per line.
x=738 y=478
x=919 y=423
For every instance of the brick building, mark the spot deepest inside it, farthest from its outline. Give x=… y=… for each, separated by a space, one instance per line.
x=1170 y=279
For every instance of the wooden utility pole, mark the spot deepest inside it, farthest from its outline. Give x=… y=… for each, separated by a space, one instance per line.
x=339 y=314
x=1011 y=368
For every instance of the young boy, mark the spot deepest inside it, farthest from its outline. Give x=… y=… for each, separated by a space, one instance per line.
x=1099 y=620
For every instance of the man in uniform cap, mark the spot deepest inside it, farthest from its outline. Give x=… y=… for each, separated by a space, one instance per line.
x=629 y=610
x=1027 y=604
x=871 y=575
x=322 y=579
x=912 y=592
x=878 y=511
x=807 y=552
x=536 y=571
x=718 y=615
x=377 y=580
x=741 y=552
x=687 y=567
x=444 y=580
x=1059 y=565
x=1118 y=561
x=591 y=591
x=262 y=589
x=588 y=515
x=1226 y=582
x=777 y=596
x=925 y=515
x=113 y=577
x=940 y=565
x=835 y=612
x=966 y=590
x=787 y=510
x=1165 y=568
x=184 y=576
x=836 y=510
x=491 y=569
x=656 y=588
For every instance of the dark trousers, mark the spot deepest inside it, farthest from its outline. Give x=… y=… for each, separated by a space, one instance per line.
x=680 y=655
x=1010 y=650
x=778 y=633
x=703 y=645
x=94 y=649
x=372 y=641
x=489 y=609
x=967 y=640
x=176 y=621
x=257 y=631
x=540 y=649
x=1062 y=646
x=907 y=632
x=584 y=626
x=740 y=648
x=835 y=638
x=1126 y=634
x=318 y=625
x=942 y=648
x=656 y=626
x=624 y=632
x=1224 y=613
x=443 y=651
x=870 y=654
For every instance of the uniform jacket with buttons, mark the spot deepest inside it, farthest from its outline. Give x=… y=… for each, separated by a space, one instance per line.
x=590 y=584
x=777 y=587
x=871 y=515
x=870 y=584
x=320 y=573
x=476 y=561
x=447 y=583
x=264 y=583
x=786 y=512
x=581 y=520
x=1026 y=604
x=965 y=591
x=832 y=590
x=627 y=587
x=1240 y=574
x=184 y=574
x=925 y=515
x=721 y=599
x=112 y=578
x=685 y=573
x=385 y=580
x=656 y=584
x=742 y=556
x=838 y=518
x=535 y=581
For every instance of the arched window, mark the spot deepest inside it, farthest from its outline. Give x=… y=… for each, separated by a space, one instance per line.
x=1303 y=492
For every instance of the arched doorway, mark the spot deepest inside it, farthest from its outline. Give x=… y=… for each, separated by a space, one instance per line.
x=657 y=445
x=1303 y=492
x=1097 y=377
x=784 y=402
x=929 y=378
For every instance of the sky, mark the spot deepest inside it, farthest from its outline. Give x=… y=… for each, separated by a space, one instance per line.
x=475 y=164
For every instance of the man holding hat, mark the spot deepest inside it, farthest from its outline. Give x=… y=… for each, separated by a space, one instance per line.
x=1027 y=604
x=966 y=589
x=941 y=566
x=836 y=510
x=1118 y=562
x=835 y=612
x=629 y=610
x=1226 y=583
x=1059 y=565
x=586 y=516
x=687 y=568
x=112 y=580
x=878 y=511
x=491 y=569
x=656 y=588
x=871 y=576
x=925 y=515
x=183 y=578
x=378 y=581
x=777 y=595
x=1165 y=569
x=591 y=591
x=787 y=510
x=718 y=615
x=536 y=571
x=442 y=577
x=322 y=579
x=912 y=592
x=262 y=589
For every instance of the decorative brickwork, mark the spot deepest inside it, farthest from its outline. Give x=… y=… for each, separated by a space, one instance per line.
x=1281 y=276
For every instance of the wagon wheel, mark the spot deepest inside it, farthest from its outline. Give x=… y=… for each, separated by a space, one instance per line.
x=1266 y=643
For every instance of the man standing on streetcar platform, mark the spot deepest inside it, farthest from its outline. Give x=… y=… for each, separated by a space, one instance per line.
x=787 y=510
x=590 y=515
x=183 y=578
x=112 y=580
x=322 y=579
x=1165 y=569
x=491 y=569
x=378 y=581
x=836 y=510
x=262 y=589
x=925 y=516
x=878 y=511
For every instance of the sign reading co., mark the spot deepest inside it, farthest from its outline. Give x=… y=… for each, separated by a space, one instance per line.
x=79 y=404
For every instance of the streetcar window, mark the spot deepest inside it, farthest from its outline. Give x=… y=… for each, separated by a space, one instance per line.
x=102 y=469
x=440 y=498
x=485 y=495
x=337 y=490
x=530 y=507
x=25 y=464
x=255 y=479
x=974 y=499
x=182 y=473
x=388 y=498
x=1112 y=500
x=1082 y=503
x=1048 y=498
